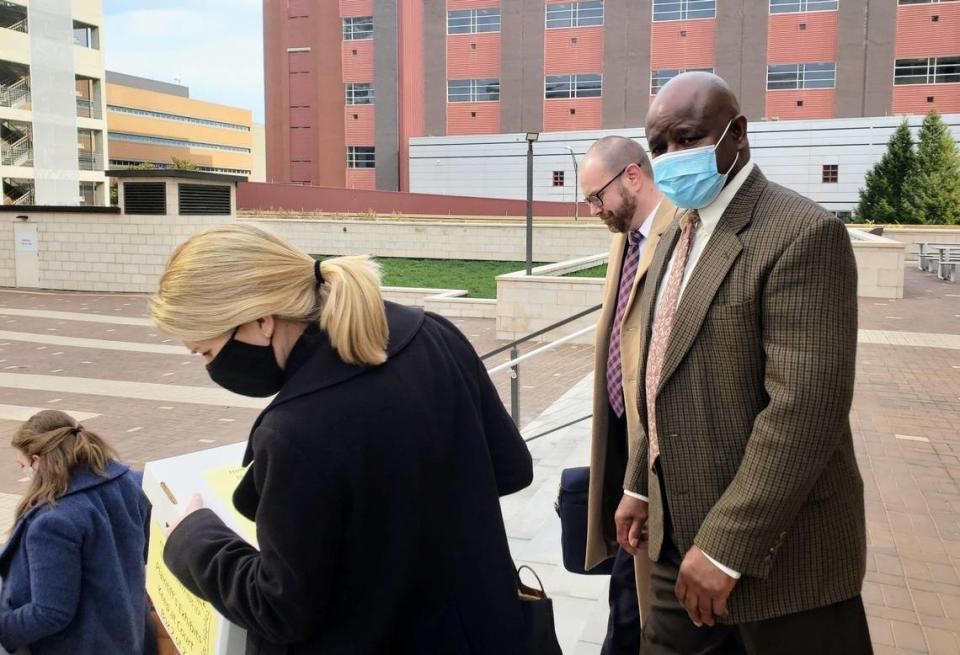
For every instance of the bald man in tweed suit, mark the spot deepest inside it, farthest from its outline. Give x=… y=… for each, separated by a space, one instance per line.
x=745 y=476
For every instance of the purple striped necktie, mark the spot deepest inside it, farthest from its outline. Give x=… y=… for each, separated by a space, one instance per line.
x=631 y=261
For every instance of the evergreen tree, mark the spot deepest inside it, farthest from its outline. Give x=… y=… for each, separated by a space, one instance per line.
x=936 y=195
x=887 y=195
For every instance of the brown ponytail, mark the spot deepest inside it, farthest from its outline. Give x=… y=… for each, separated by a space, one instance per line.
x=62 y=444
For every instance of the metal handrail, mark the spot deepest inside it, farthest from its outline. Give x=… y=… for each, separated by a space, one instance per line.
x=18 y=152
x=88 y=105
x=12 y=95
x=533 y=335
x=90 y=161
x=19 y=26
x=513 y=364
x=542 y=349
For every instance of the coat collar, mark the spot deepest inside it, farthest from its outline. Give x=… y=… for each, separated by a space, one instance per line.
x=315 y=365
x=719 y=255
x=721 y=251
x=82 y=479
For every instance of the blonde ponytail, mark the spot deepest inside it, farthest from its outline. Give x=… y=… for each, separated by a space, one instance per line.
x=353 y=315
x=229 y=275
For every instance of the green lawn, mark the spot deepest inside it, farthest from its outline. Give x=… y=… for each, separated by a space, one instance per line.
x=477 y=277
x=596 y=271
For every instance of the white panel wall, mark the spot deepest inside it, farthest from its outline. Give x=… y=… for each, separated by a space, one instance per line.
x=53 y=89
x=791 y=153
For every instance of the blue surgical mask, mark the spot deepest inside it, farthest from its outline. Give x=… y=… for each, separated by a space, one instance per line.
x=689 y=178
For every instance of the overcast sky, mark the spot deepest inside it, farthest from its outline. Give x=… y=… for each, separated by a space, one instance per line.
x=215 y=47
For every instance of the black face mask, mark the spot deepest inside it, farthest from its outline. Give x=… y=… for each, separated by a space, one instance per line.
x=246 y=369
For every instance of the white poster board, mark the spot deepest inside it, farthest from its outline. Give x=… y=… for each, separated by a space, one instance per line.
x=194 y=625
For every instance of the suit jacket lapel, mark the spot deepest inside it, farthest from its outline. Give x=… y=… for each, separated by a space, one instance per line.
x=711 y=270
x=661 y=221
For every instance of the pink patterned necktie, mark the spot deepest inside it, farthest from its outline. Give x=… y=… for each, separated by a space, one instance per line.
x=631 y=261
x=663 y=324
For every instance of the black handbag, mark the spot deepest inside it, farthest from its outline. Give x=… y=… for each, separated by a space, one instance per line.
x=540 y=632
x=571 y=507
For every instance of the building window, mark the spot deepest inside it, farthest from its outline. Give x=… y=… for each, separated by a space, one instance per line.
x=558 y=178
x=795 y=6
x=830 y=173
x=173 y=143
x=664 y=10
x=86 y=36
x=473 y=21
x=88 y=193
x=922 y=2
x=206 y=122
x=929 y=70
x=574 y=14
x=361 y=157
x=357 y=28
x=484 y=90
x=573 y=86
x=359 y=93
x=660 y=77
x=801 y=76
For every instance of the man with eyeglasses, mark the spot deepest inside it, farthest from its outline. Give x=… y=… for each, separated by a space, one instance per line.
x=616 y=178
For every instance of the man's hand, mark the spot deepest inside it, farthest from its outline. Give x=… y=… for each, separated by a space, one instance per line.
x=703 y=588
x=631 y=520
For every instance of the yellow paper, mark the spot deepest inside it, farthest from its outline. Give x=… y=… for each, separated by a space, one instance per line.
x=191 y=622
x=224 y=481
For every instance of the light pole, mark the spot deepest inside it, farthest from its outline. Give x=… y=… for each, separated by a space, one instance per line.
x=576 y=183
x=531 y=137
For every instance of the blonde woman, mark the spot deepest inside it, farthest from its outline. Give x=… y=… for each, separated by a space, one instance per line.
x=375 y=472
x=73 y=569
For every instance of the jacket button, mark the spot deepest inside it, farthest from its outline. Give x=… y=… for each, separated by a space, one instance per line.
x=773 y=551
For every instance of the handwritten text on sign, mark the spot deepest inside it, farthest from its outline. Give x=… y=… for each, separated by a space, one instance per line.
x=191 y=622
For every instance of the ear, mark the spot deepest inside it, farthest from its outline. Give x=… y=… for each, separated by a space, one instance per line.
x=267 y=325
x=738 y=130
x=35 y=459
x=635 y=175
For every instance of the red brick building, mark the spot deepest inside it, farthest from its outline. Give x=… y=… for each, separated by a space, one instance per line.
x=349 y=81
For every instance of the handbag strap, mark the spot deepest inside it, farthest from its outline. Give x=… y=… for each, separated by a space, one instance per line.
x=540 y=582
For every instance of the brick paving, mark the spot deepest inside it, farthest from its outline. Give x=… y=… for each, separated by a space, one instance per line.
x=906 y=420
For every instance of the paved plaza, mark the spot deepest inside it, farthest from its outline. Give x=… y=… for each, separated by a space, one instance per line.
x=98 y=358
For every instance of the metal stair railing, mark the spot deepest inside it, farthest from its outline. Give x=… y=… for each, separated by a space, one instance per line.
x=14 y=95
x=513 y=364
x=18 y=153
x=19 y=26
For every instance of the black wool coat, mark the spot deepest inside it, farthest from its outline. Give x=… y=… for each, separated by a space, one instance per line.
x=375 y=492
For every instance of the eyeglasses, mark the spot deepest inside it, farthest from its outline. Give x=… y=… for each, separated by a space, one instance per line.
x=595 y=199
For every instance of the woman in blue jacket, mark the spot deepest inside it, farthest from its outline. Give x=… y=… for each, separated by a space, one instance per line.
x=74 y=567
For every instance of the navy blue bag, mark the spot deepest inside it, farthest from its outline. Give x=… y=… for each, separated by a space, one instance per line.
x=571 y=507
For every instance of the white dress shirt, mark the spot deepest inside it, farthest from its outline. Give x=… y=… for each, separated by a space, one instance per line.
x=709 y=219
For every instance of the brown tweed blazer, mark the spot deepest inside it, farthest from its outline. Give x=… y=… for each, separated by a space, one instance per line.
x=753 y=405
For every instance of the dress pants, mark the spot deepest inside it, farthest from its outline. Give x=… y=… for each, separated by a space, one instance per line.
x=623 y=626
x=838 y=629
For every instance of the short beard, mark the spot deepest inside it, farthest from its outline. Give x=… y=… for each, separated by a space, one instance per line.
x=619 y=221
